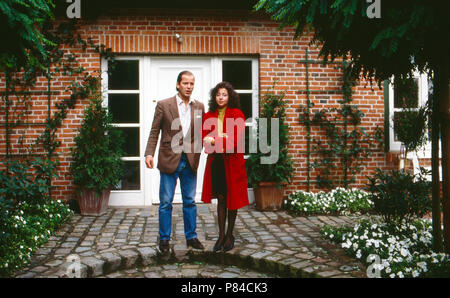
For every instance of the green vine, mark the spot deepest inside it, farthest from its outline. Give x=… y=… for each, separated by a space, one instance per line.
x=21 y=80
x=347 y=144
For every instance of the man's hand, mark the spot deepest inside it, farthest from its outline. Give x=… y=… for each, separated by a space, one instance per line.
x=149 y=161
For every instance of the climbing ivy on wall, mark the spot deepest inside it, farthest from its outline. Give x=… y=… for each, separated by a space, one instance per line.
x=21 y=80
x=346 y=145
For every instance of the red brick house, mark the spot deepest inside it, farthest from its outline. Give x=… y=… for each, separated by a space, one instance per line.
x=216 y=42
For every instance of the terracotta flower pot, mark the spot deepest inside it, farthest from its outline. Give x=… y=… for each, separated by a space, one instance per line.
x=268 y=197
x=92 y=204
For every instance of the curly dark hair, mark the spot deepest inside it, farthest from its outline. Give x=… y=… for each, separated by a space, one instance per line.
x=233 y=97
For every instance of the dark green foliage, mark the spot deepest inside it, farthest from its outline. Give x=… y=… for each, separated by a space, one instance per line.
x=399 y=196
x=97 y=163
x=378 y=47
x=18 y=184
x=410 y=128
x=273 y=106
x=28 y=215
x=23 y=42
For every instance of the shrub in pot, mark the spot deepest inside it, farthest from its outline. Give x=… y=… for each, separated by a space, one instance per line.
x=411 y=123
x=268 y=173
x=96 y=159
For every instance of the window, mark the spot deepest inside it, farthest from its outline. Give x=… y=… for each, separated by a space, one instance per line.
x=123 y=102
x=405 y=94
x=242 y=73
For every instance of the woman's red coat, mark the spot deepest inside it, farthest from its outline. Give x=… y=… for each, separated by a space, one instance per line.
x=234 y=161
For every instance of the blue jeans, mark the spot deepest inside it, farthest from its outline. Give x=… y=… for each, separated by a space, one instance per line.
x=188 y=184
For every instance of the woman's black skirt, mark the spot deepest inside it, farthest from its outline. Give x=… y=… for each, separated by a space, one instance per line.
x=218 y=178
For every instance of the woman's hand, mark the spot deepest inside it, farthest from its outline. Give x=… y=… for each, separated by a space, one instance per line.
x=209 y=140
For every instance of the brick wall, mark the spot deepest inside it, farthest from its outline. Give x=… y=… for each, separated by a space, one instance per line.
x=221 y=33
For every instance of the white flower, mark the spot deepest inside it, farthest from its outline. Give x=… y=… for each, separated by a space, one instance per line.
x=423 y=266
x=377 y=243
x=400 y=274
x=404 y=252
x=391 y=240
x=347 y=244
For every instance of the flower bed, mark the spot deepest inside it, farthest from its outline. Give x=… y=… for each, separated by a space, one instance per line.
x=338 y=201
x=392 y=250
x=26 y=228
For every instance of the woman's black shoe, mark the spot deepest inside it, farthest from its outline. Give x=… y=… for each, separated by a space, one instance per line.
x=229 y=247
x=218 y=246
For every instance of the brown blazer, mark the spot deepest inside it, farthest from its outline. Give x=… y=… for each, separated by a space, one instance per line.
x=173 y=143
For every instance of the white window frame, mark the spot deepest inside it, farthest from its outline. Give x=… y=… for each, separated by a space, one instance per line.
x=394 y=146
x=217 y=70
x=106 y=91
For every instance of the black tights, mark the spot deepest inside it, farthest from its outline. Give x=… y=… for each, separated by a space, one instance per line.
x=222 y=216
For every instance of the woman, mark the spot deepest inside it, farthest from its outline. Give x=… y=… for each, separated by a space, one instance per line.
x=225 y=175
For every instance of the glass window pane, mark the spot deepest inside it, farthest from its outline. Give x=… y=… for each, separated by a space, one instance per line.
x=131 y=178
x=406 y=93
x=247 y=139
x=131 y=144
x=246 y=104
x=124 y=75
x=124 y=107
x=238 y=73
x=396 y=115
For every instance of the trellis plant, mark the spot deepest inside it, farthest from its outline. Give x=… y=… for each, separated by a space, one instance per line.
x=347 y=145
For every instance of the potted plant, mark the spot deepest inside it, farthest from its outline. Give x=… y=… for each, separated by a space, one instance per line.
x=411 y=123
x=269 y=179
x=96 y=159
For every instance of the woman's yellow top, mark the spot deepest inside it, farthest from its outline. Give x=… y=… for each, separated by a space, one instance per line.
x=220 y=118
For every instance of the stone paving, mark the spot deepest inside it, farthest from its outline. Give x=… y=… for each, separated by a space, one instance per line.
x=189 y=270
x=123 y=243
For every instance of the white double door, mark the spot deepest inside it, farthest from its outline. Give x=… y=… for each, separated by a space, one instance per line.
x=158 y=76
x=163 y=74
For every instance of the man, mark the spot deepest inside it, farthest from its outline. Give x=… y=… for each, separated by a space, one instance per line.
x=178 y=118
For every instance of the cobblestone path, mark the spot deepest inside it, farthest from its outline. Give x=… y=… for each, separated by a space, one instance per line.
x=270 y=243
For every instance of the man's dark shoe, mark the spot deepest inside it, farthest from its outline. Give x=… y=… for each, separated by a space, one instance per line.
x=194 y=243
x=164 y=246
